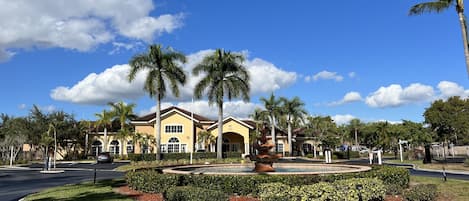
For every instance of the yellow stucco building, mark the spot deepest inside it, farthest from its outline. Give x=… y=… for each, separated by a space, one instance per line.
x=181 y=133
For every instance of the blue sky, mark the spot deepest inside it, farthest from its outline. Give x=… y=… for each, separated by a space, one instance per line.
x=363 y=59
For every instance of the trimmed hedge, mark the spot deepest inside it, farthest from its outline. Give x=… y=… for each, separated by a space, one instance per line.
x=151 y=181
x=394 y=178
x=421 y=192
x=391 y=177
x=372 y=189
x=190 y=193
x=181 y=156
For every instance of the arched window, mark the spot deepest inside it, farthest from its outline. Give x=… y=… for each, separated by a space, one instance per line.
x=96 y=147
x=114 y=148
x=173 y=145
x=130 y=147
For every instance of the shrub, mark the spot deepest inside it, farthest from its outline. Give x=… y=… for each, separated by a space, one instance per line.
x=181 y=156
x=151 y=181
x=421 y=192
x=394 y=178
x=372 y=189
x=190 y=193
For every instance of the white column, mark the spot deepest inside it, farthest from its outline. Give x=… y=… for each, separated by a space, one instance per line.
x=246 y=149
x=400 y=152
x=370 y=155
x=314 y=151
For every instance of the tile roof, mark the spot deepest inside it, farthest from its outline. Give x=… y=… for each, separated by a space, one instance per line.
x=151 y=116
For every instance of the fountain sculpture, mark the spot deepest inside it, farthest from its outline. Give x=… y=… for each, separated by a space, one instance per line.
x=264 y=159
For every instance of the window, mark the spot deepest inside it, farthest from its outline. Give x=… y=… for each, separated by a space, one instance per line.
x=234 y=147
x=174 y=146
x=163 y=148
x=96 y=148
x=114 y=148
x=279 y=147
x=173 y=129
x=130 y=147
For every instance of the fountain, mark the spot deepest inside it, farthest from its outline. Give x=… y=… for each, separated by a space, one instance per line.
x=264 y=164
x=264 y=159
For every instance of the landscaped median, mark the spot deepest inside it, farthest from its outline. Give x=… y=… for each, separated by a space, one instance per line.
x=371 y=185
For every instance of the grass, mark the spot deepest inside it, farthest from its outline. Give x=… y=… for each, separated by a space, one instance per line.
x=452 y=189
x=101 y=191
x=434 y=166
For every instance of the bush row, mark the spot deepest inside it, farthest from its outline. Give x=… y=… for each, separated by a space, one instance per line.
x=371 y=189
x=179 y=156
x=150 y=181
x=190 y=193
x=421 y=192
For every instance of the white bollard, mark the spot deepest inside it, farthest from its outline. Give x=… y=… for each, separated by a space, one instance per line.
x=370 y=155
x=379 y=157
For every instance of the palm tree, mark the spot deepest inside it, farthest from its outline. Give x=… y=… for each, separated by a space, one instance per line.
x=441 y=5
x=224 y=75
x=294 y=110
x=103 y=119
x=124 y=113
x=355 y=124
x=260 y=117
x=163 y=66
x=272 y=108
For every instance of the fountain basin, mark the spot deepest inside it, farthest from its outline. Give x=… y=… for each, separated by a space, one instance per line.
x=280 y=169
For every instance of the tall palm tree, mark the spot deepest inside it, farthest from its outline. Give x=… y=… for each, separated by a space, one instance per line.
x=272 y=108
x=355 y=125
x=124 y=113
x=103 y=119
x=294 y=110
x=224 y=75
x=441 y=5
x=163 y=66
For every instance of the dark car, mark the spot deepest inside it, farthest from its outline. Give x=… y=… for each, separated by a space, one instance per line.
x=105 y=157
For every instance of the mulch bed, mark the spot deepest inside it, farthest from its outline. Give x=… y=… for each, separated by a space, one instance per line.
x=125 y=190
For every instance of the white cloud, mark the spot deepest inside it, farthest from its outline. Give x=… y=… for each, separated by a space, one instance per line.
x=79 y=25
x=342 y=119
x=118 y=46
x=307 y=78
x=352 y=74
x=326 y=75
x=448 y=89
x=350 y=97
x=394 y=95
x=22 y=106
x=238 y=109
x=112 y=84
x=99 y=89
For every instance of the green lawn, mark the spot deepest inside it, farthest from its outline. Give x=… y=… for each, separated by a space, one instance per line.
x=434 y=166
x=457 y=190
x=101 y=191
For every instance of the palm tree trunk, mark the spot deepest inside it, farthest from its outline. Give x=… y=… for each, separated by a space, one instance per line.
x=462 y=21
x=220 y=131
x=158 y=128
x=272 y=132
x=105 y=139
x=290 y=145
x=356 y=138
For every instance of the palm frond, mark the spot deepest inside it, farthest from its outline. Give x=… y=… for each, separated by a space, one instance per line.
x=428 y=7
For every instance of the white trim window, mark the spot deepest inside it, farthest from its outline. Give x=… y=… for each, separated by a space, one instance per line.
x=173 y=128
x=174 y=146
x=130 y=147
x=279 y=147
x=114 y=147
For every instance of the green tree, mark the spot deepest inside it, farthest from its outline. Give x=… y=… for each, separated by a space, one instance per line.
x=293 y=110
x=104 y=119
x=440 y=6
x=273 y=109
x=206 y=138
x=124 y=113
x=225 y=75
x=449 y=119
x=163 y=66
x=355 y=126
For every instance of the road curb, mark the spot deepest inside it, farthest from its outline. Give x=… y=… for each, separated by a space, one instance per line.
x=415 y=167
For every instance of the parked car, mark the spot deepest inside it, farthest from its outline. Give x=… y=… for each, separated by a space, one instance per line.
x=105 y=157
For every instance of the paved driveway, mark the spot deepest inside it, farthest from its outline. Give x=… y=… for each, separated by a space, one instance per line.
x=19 y=182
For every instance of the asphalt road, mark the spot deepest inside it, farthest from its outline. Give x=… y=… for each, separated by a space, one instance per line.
x=17 y=183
